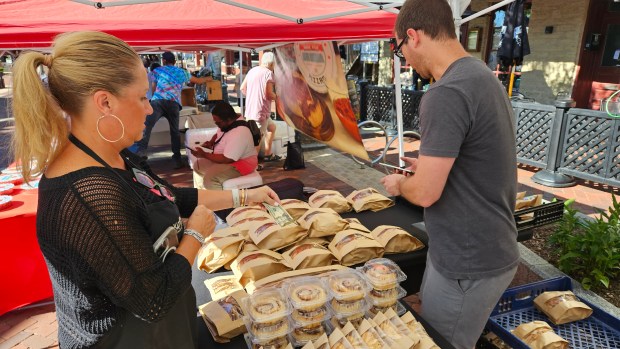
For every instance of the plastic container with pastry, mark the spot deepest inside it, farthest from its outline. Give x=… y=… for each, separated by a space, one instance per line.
x=303 y=334
x=303 y=317
x=346 y=307
x=341 y=320
x=383 y=273
x=347 y=285
x=265 y=332
x=267 y=306
x=275 y=343
x=306 y=293
x=386 y=298
x=397 y=307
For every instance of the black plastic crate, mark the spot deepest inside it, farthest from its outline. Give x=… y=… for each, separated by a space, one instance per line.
x=543 y=214
x=516 y=306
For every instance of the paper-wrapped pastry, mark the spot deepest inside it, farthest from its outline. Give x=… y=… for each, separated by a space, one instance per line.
x=337 y=340
x=223 y=247
x=396 y=240
x=426 y=342
x=329 y=199
x=271 y=236
x=321 y=343
x=322 y=222
x=370 y=337
x=351 y=334
x=222 y=286
x=369 y=199
x=355 y=224
x=253 y=266
x=308 y=255
x=354 y=247
x=528 y=201
x=400 y=325
x=562 y=306
x=296 y=208
x=224 y=317
x=244 y=212
x=539 y=335
x=402 y=341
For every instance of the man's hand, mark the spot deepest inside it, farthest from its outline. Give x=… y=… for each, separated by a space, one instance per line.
x=199 y=153
x=208 y=144
x=412 y=162
x=392 y=182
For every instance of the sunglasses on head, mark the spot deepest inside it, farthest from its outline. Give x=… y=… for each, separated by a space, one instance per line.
x=156 y=187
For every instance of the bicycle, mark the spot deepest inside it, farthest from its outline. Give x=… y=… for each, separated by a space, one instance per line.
x=413 y=143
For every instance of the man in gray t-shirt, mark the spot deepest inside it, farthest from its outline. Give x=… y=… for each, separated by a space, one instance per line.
x=465 y=175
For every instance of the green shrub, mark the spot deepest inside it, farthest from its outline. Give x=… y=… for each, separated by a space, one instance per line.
x=589 y=248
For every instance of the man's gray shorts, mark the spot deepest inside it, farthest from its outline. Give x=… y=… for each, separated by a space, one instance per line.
x=459 y=309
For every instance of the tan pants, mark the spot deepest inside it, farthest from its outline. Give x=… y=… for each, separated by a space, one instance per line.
x=211 y=175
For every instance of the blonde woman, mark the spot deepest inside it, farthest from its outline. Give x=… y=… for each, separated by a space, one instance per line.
x=110 y=230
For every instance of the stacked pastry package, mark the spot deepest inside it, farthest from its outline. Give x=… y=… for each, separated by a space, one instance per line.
x=348 y=290
x=267 y=319
x=384 y=277
x=310 y=312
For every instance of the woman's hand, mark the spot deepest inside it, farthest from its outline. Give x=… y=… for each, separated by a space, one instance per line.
x=262 y=194
x=202 y=221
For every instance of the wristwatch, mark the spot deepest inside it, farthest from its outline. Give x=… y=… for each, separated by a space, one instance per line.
x=196 y=235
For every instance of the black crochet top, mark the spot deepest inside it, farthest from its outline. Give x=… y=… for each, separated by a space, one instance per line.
x=91 y=228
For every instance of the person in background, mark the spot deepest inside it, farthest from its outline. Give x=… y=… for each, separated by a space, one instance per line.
x=166 y=102
x=233 y=153
x=152 y=80
x=465 y=176
x=259 y=89
x=102 y=211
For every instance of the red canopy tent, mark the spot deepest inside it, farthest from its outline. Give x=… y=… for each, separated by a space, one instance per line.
x=188 y=25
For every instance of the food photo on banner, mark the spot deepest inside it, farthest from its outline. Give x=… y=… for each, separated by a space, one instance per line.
x=312 y=95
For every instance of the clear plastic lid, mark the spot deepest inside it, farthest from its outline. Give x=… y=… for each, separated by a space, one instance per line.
x=384 y=298
x=304 y=318
x=347 y=285
x=266 y=305
x=300 y=335
x=268 y=331
x=306 y=293
x=382 y=273
x=397 y=307
x=275 y=343
x=340 y=321
x=347 y=308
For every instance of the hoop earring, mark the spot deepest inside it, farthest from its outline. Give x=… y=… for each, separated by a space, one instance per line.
x=119 y=120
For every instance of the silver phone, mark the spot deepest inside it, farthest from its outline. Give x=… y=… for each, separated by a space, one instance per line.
x=396 y=168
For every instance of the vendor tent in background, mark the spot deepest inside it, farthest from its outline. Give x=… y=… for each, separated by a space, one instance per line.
x=514 y=43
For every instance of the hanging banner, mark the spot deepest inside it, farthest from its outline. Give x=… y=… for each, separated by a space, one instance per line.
x=312 y=95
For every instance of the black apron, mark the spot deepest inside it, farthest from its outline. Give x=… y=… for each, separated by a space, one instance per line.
x=178 y=328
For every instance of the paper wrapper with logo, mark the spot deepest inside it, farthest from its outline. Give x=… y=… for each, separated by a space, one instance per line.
x=253 y=266
x=222 y=286
x=247 y=222
x=244 y=212
x=395 y=239
x=355 y=224
x=539 y=335
x=296 y=208
x=329 y=199
x=222 y=247
x=269 y=235
x=322 y=222
x=369 y=199
x=224 y=317
x=562 y=307
x=353 y=247
x=308 y=255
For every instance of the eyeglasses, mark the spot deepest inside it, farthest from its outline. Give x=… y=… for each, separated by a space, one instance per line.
x=166 y=243
x=156 y=187
x=398 y=51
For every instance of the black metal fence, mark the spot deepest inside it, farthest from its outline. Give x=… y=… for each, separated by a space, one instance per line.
x=377 y=104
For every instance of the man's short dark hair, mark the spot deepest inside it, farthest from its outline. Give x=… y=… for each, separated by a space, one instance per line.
x=224 y=111
x=168 y=57
x=433 y=17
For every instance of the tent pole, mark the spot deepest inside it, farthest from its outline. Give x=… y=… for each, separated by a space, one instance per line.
x=239 y=94
x=399 y=110
x=485 y=11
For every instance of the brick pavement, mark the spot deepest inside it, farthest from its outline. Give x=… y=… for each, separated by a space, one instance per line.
x=327 y=169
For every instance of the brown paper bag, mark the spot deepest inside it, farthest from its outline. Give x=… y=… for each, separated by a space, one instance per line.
x=319 y=241
x=253 y=266
x=296 y=208
x=369 y=199
x=247 y=222
x=353 y=247
x=322 y=222
x=539 y=335
x=395 y=239
x=222 y=286
x=240 y=213
x=220 y=250
x=271 y=236
x=329 y=199
x=528 y=201
x=308 y=255
x=355 y=224
x=224 y=317
x=562 y=307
